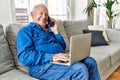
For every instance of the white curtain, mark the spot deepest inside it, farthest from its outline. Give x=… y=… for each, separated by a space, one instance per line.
x=59 y=9
x=99 y=14
x=103 y=17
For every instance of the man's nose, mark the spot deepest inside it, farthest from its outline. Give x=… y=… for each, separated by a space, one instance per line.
x=44 y=16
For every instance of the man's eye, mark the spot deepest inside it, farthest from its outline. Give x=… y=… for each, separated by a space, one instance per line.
x=46 y=14
x=41 y=13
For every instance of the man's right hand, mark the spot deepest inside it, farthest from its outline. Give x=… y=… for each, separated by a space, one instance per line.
x=61 y=57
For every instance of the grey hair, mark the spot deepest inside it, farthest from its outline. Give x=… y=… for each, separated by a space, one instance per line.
x=38 y=5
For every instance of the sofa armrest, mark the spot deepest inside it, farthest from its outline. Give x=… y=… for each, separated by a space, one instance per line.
x=113 y=35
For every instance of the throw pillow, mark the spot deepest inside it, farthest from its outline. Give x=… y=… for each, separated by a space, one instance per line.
x=99 y=27
x=97 y=38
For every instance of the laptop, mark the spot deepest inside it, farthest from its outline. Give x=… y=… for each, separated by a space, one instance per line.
x=80 y=46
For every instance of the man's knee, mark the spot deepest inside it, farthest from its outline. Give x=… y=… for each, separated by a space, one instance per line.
x=90 y=62
x=81 y=71
x=79 y=66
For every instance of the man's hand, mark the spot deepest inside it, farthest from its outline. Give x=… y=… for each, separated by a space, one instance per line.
x=55 y=27
x=61 y=56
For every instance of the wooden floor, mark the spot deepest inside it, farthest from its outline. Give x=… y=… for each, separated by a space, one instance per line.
x=115 y=75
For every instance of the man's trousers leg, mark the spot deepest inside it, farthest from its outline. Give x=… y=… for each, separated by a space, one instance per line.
x=77 y=71
x=92 y=68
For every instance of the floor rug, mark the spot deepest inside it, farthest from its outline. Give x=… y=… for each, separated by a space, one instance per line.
x=115 y=75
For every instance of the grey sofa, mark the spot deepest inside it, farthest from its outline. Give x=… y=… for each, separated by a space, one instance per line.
x=107 y=57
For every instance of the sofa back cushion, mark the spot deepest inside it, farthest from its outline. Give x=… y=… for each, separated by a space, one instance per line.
x=75 y=27
x=6 y=58
x=11 y=32
x=63 y=33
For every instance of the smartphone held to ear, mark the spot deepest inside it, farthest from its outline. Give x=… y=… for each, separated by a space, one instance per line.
x=50 y=23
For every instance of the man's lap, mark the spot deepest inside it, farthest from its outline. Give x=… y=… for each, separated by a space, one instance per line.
x=55 y=71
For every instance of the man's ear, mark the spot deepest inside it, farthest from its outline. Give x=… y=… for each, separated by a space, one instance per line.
x=31 y=14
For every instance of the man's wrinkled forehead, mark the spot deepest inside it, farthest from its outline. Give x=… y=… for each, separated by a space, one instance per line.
x=41 y=8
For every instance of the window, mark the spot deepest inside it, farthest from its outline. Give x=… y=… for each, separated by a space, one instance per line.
x=58 y=9
x=21 y=9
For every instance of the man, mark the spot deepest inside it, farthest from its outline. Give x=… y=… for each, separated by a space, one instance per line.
x=38 y=45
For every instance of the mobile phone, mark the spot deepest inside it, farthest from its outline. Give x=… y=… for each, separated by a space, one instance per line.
x=50 y=23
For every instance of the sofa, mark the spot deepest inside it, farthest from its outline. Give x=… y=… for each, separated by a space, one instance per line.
x=106 y=56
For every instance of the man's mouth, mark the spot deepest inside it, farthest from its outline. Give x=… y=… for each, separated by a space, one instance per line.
x=43 y=21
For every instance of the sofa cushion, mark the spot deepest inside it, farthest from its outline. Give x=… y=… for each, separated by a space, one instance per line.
x=75 y=27
x=103 y=60
x=6 y=58
x=16 y=75
x=106 y=56
x=63 y=33
x=113 y=35
x=11 y=32
x=113 y=50
x=25 y=69
x=97 y=37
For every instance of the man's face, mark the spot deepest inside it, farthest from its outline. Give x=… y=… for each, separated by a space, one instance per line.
x=40 y=15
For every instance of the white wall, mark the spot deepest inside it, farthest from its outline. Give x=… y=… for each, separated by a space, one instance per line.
x=5 y=12
x=77 y=7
